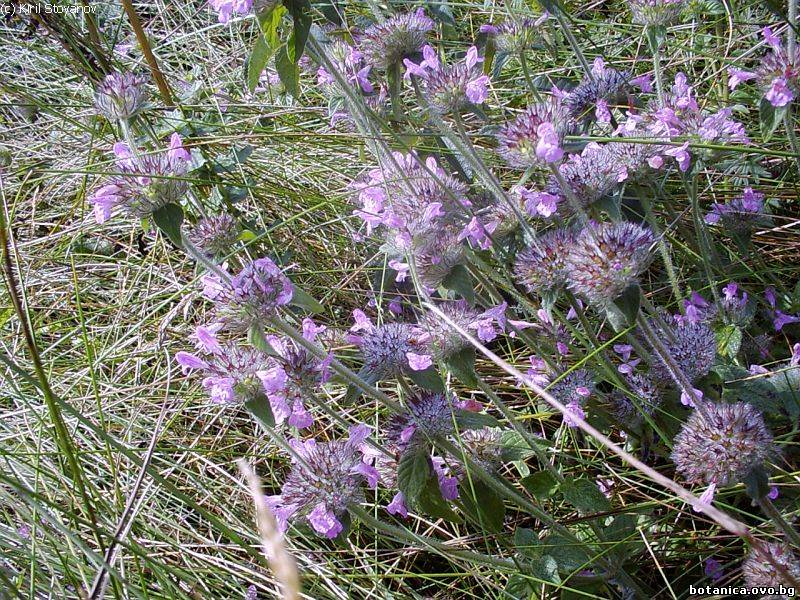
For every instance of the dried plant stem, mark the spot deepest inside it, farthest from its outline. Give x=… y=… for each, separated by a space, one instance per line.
x=280 y=560
x=144 y=44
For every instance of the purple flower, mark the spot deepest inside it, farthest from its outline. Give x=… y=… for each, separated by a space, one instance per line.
x=706 y=498
x=325 y=479
x=592 y=97
x=687 y=399
x=418 y=362
x=773 y=492
x=643 y=82
x=389 y=349
x=543 y=204
x=779 y=93
x=771 y=39
x=713 y=569
x=515 y=35
x=451 y=88
x=760 y=573
x=227 y=8
x=590 y=176
x=574 y=413
x=477 y=233
x=232 y=372
x=252 y=297
x=520 y=142
x=215 y=235
x=121 y=96
x=740 y=215
x=737 y=76
x=427 y=416
x=144 y=185
x=782 y=319
x=606 y=258
x=398 y=506
x=542 y=266
x=387 y=43
x=722 y=444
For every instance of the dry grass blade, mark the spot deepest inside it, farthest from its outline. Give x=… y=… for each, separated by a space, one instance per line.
x=281 y=561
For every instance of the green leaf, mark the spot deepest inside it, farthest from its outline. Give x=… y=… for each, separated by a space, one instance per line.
x=625 y=308
x=770 y=117
x=300 y=10
x=518 y=588
x=432 y=503
x=739 y=385
x=729 y=340
x=257 y=61
x=483 y=506
x=460 y=281
x=260 y=408
x=303 y=299
x=256 y=337
x=428 y=379
x=413 y=472
x=757 y=483
x=462 y=366
x=527 y=542
x=568 y=554
x=266 y=43
x=288 y=71
x=546 y=569
x=168 y=219
x=467 y=419
x=584 y=495
x=541 y=485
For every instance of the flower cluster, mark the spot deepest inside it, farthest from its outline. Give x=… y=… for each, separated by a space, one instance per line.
x=656 y=12
x=778 y=73
x=740 y=215
x=721 y=445
x=388 y=43
x=450 y=88
x=759 y=573
x=535 y=136
x=249 y=298
x=606 y=258
x=326 y=478
x=594 y=96
x=542 y=266
x=515 y=35
x=227 y=8
x=145 y=183
x=120 y=96
x=215 y=235
x=692 y=346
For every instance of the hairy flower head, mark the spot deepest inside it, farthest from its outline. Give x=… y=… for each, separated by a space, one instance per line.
x=606 y=258
x=444 y=340
x=385 y=44
x=656 y=12
x=741 y=215
x=325 y=479
x=251 y=298
x=541 y=267
x=721 y=447
x=120 y=96
x=389 y=349
x=516 y=35
x=216 y=234
x=518 y=139
x=145 y=183
x=590 y=175
x=758 y=572
x=692 y=345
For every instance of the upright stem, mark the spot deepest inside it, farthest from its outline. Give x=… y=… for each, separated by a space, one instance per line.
x=706 y=251
x=144 y=44
x=769 y=509
x=528 y=79
x=792 y=35
x=656 y=52
x=662 y=247
x=564 y=24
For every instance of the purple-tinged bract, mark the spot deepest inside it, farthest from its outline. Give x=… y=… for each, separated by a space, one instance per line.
x=647 y=398
x=386 y=348
x=692 y=345
x=215 y=235
x=516 y=35
x=444 y=340
x=452 y=88
x=590 y=175
x=721 y=446
x=574 y=386
x=758 y=572
x=252 y=297
x=386 y=44
x=325 y=479
x=120 y=96
x=606 y=258
x=656 y=12
x=518 y=139
x=607 y=87
x=741 y=215
x=428 y=415
x=542 y=266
